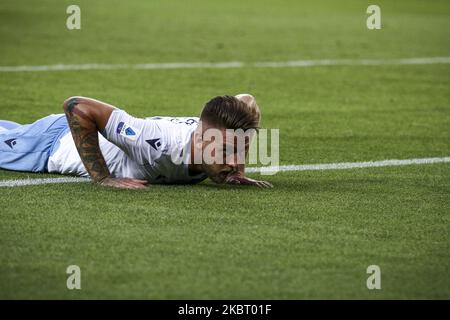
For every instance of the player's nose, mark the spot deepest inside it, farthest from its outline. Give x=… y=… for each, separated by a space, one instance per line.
x=232 y=163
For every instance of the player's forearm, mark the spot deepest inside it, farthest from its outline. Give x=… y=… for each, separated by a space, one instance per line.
x=84 y=128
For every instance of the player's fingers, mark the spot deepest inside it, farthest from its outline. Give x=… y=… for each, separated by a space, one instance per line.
x=120 y=186
x=259 y=184
x=128 y=181
x=141 y=186
x=136 y=181
x=135 y=185
x=124 y=185
x=264 y=184
x=268 y=184
x=127 y=184
x=141 y=182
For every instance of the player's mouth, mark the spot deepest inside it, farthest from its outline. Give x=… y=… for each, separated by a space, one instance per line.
x=226 y=174
x=221 y=177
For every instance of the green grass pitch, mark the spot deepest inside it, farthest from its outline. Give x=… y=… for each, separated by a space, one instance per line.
x=316 y=232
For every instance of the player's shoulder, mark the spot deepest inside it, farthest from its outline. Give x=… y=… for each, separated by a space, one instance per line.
x=164 y=120
x=171 y=132
x=174 y=124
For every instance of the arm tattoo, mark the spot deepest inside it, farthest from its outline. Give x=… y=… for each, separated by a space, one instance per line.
x=85 y=134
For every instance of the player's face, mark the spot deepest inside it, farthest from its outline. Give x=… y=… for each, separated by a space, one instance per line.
x=223 y=157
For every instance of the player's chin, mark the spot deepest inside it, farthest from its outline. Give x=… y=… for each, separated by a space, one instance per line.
x=214 y=175
x=218 y=178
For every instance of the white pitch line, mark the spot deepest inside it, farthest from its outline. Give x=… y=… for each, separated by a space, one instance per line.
x=350 y=165
x=305 y=167
x=41 y=181
x=228 y=65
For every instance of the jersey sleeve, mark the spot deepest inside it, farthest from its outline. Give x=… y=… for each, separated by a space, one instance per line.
x=131 y=134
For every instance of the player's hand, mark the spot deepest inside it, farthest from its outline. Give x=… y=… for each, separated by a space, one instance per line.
x=124 y=183
x=238 y=179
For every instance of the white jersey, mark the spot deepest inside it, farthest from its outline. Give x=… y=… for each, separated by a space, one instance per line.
x=156 y=149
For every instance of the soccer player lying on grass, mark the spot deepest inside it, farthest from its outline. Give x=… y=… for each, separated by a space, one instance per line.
x=115 y=149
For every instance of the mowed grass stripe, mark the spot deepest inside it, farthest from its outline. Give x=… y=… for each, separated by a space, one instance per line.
x=305 y=167
x=228 y=65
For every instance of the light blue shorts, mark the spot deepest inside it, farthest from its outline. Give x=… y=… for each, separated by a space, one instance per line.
x=28 y=147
